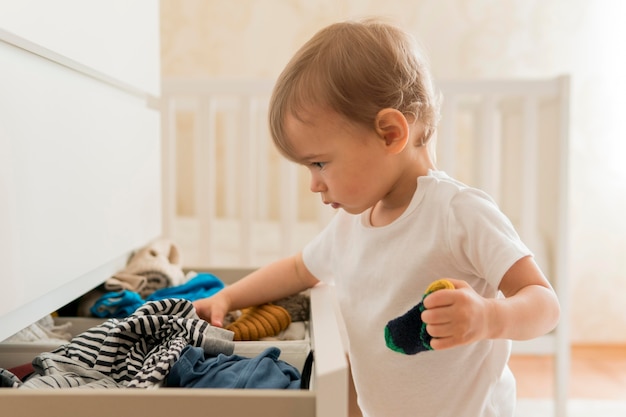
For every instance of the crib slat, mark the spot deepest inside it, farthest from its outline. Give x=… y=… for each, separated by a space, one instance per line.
x=528 y=219
x=263 y=168
x=248 y=190
x=205 y=174
x=489 y=148
x=228 y=139
x=447 y=136
x=562 y=356
x=288 y=206
x=169 y=149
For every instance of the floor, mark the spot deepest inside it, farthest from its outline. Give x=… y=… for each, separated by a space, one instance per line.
x=597 y=372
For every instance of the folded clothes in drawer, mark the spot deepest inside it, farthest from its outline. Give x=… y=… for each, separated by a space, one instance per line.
x=139 y=350
x=326 y=395
x=19 y=351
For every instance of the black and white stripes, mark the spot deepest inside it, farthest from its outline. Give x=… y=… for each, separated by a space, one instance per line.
x=137 y=351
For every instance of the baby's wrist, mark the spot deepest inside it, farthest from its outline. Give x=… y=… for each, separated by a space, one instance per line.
x=494 y=319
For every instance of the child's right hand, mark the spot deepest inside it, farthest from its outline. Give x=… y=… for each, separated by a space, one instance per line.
x=213 y=309
x=279 y=279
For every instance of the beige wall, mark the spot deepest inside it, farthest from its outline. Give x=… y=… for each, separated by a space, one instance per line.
x=467 y=39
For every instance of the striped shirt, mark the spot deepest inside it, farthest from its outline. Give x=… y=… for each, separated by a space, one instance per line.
x=136 y=352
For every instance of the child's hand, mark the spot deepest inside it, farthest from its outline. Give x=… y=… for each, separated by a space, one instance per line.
x=456 y=317
x=213 y=309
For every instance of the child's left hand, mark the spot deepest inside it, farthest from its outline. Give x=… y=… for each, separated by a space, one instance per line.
x=456 y=317
x=529 y=309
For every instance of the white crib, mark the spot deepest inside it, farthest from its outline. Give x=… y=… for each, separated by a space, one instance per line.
x=231 y=200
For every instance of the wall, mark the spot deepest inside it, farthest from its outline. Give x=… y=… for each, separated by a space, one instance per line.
x=467 y=39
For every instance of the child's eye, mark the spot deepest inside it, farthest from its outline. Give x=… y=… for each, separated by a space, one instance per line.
x=318 y=165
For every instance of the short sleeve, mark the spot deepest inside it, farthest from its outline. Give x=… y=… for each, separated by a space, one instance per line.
x=481 y=237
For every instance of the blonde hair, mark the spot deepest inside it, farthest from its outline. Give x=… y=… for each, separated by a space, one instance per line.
x=355 y=69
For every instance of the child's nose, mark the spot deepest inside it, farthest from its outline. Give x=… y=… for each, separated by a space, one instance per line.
x=317 y=185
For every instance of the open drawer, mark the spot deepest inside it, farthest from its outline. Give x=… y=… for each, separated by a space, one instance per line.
x=327 y=395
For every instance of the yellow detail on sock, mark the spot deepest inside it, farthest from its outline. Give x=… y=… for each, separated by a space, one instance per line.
x=440 y=284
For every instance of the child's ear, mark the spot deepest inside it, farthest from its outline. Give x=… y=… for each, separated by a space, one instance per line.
x=393 y=128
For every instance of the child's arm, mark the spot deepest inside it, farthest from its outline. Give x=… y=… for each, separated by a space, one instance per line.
x=462 y=316
x=275 y=281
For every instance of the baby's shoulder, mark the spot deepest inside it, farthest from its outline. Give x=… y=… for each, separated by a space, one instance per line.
x=448 y=194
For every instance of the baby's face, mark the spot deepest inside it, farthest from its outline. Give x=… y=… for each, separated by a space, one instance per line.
x=347 y=161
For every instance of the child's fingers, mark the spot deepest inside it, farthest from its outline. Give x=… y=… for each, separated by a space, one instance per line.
x=445 y=335
x=199 y=306
x=207 y=312
x=217 y=320
x=443 y=343
x=439 y=331
x=456 y=317
x=444 y=298
x=439 y=299
x=436 y=316
x=212 y=309
x=458 y=284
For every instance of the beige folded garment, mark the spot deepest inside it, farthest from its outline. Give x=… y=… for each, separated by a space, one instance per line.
x=125 y=281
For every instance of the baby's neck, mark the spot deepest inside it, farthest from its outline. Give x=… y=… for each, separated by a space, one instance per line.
x=395 y=203
x=415 y=162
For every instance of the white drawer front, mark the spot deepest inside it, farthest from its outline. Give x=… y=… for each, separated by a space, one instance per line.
x=80 y=181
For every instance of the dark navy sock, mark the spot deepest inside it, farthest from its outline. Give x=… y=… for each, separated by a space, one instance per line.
x=407 y=334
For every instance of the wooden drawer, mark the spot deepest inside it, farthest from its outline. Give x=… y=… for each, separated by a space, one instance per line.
x=80 y=168
x=327 y=396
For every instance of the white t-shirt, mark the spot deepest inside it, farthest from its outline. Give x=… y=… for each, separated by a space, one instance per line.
x=379 y=273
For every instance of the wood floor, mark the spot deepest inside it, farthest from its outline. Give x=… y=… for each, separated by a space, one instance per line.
x=596 y=372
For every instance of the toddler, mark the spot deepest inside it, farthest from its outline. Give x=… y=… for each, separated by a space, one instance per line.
x=357 y=107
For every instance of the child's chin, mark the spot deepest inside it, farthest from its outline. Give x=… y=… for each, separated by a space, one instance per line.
x=352 y=210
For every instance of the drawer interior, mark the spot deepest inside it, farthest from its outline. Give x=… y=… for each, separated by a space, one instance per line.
x=156 y=402
x=14 y=354
x=327 y=395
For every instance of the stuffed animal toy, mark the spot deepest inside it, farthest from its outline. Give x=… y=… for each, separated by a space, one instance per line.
x=156 y=266
x=407 y=334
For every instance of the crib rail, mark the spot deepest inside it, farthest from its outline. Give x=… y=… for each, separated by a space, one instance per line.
x=504 y=136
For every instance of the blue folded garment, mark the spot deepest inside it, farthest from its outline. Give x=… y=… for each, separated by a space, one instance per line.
x=117 y=304
x=265 y=371
x=201 y=286
x=124 y=303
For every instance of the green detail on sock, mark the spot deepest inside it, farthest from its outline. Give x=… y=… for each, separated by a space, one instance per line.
x=389 y=342
x=425 y=338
